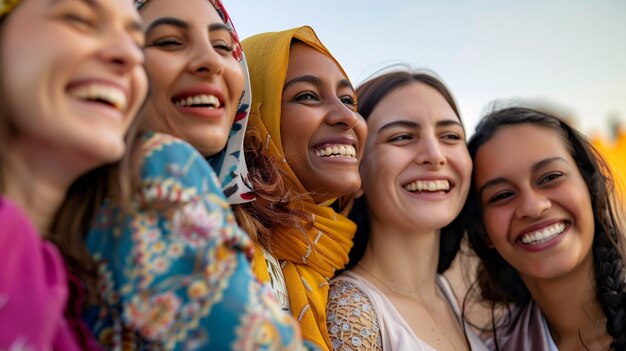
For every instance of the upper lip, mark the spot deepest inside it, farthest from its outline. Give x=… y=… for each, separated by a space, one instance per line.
x=200 y=89
x=105 y=82
x=537 y=226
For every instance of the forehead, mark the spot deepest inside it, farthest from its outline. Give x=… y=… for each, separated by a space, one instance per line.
x=305 y=60
x=193 y=11
x=513 y=150
x=416 y=102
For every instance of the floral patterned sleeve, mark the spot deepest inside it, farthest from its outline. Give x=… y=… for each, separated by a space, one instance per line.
x=351 y=318
x=174 y=273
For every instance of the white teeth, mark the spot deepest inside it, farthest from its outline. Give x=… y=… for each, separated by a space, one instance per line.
x=113 y=96
x=202 y=100
x=428 y=185
x=336 y=150
x=543 y=235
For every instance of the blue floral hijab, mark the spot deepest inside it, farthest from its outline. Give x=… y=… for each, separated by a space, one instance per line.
x=230 y=163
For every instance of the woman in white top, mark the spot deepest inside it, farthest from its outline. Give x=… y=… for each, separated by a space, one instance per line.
x=415 y=178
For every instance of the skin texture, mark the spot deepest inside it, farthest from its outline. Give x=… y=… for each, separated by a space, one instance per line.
x=528 y=186
x=318 y=111
x=189 y=58
x=72 y=45
x=415 y=135
x=78 y=55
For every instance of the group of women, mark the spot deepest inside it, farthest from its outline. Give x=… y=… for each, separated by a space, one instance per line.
x=168 y=187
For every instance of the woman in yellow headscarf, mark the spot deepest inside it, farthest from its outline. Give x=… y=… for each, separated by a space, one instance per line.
x=303 y=149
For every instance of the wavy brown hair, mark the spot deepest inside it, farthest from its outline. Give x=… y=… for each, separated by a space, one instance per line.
x=498 y=282
x=273 y=208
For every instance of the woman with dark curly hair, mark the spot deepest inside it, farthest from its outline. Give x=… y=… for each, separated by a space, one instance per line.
x=541 y=218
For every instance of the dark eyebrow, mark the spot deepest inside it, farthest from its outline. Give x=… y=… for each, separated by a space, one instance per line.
x=344 y=83
x=91 y=3
x=547 y=162
x=167 y=21
x=306 y=78
x=490 y=183
x=536 y=166
x=449 y=122
x=218 y=26
x=95 y=5
x=415 y=125
x=400 y=123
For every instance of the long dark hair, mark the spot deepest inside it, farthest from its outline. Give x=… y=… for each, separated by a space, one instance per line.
x=498 y=281
x=369 y=95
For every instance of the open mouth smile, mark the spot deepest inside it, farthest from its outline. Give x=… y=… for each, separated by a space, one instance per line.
x=103 y=94
x=336 y=150
x=543 y=235
x=208 y=101
x=428 y=186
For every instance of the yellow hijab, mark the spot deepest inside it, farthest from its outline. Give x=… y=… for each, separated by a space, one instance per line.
x=7 y=6
x=309 y=259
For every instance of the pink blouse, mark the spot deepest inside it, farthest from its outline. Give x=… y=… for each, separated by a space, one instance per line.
x=33 y=287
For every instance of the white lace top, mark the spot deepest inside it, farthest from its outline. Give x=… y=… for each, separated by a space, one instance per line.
x=361 y=317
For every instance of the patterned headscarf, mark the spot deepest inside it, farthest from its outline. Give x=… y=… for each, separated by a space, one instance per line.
x=7 y=6
x=230 y=163
x=308 y=258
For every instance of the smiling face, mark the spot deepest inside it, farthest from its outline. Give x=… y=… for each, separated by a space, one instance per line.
x=74 y=86
x=416 y=168
x=195 y=81
x=535 y=205
x=322 y=135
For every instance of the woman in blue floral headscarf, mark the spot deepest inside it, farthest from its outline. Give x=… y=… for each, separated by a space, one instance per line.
x=174 y=267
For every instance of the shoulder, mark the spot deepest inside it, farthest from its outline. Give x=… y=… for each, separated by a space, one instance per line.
x=174 y=171
x=352 y=319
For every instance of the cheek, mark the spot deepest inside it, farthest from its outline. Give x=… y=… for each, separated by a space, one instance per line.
x=495 y=225
x=161 y=72
x=295 y=131
x=140 y=88
x=234 y=80
x=361 y=134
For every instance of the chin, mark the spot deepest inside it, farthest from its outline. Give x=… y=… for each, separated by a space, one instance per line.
x=108 y=153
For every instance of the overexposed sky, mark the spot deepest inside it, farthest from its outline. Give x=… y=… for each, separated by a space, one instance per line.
x=569 y=53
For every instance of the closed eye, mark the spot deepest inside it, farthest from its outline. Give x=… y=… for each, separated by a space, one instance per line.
x=79 y=20
x=167 y=43
x=223 y=47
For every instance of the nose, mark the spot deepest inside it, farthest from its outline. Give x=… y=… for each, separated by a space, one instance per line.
x=429 y=153
x=532 y=205
x=204 y=60
x=122 y=52
x=341 y=115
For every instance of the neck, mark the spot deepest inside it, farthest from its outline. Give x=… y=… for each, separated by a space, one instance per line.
x=36 y=182
x=404 y=261
x=570 y=307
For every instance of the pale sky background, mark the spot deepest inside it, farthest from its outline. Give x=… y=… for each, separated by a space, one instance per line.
x=570 y=53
